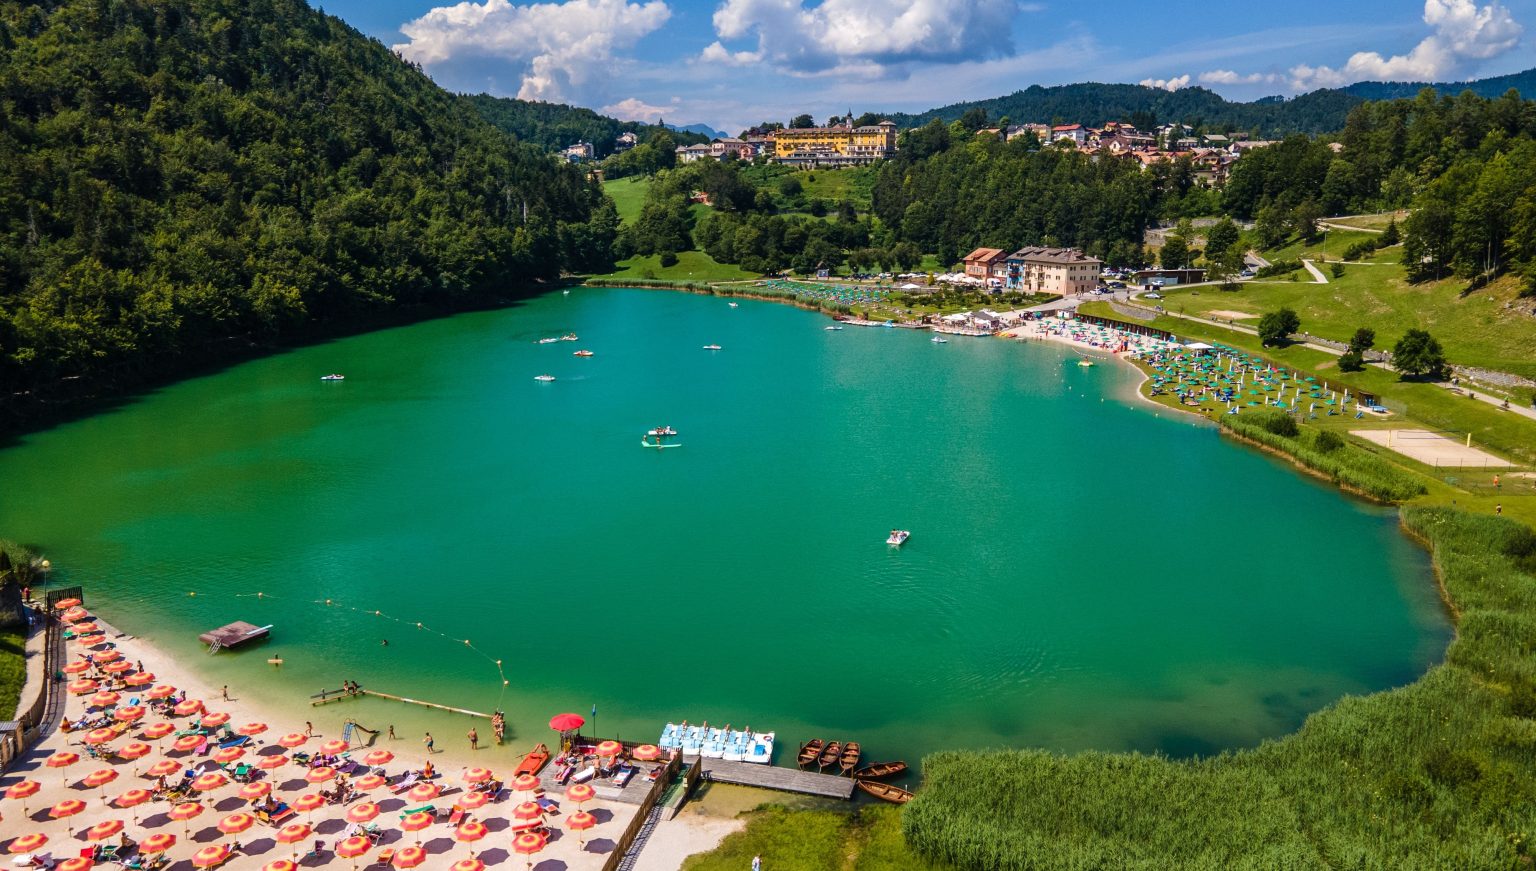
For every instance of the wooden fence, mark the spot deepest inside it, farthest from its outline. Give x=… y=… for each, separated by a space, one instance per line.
x=17 y=736
x=627 y=840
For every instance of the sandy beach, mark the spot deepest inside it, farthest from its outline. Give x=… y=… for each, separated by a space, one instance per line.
x=221 y=805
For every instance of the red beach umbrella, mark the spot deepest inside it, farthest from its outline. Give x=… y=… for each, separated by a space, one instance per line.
x=82 y=686
x=99 y=736
x=28 y=843
x=580 y=792
x=66 y=604
x=320 y=774
x=132 y=799
x=211 y=780
x=103 y=699
x=270 y=763
x=580 y=822
x=117 y=667
x=62 y=760
x=470 y=864
x=100 y=779
x=106 y=656
x=369 y=781
x=423 y=792
x=236 y=823
x=470 y=832
x=103 y=830
x=187 y=708
x=74 y=614
x=280 y=865
x=351 y=848
x=163 y=768
x=477 y=775
x=129 y=714
x=409 y=857
x=226 y=755
x=416 y=822
x=187 y=743
x=158 y=842
x=156 y=731
x=135 y=750
x=647 y=753
x=211 y=855
x=525 y=783
x=378 y=757
x=362 y=813
x=566 y=722
x=139 y=679
x=76 y=667
x=473 y=801
x=609 y=749
x=528 y=810
x=215 y=720
x=333 y=747
x=163 y=691
x=256 y=790
x=529 y=843
x=185 y=812
x=22 y=790
x=78 y=863
x=251 y=730
x=293 y=833
x=66 y=808
x=308 y=802
x=292 y=740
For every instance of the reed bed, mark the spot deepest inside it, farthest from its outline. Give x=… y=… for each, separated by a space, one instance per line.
x=1432 y=775
x=1322 y=451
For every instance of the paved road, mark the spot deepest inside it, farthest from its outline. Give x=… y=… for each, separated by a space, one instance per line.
x=1317 y=274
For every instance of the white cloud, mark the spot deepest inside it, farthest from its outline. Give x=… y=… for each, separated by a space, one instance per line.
x=862 y=37
x=1172 y=84
x=1463 y=31
x=1230 y=77
x=631 y=109
x=559 y=50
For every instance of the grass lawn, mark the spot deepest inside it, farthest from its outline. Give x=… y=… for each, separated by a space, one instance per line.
x=1331 y=247
x=628 y=195
x=814 y=840
x=1476 y=330
x=691 y=266
x=1426 y=404
x=1370 y=222
x=854 y=183
x=13 y=669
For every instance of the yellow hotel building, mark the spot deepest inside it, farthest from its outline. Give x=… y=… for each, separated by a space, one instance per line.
x=834 y=146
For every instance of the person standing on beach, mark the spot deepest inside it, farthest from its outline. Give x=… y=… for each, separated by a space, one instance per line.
x=474 y=738
x=428 y=741
x=391 y=731
x=225 y=692
x=309 y=729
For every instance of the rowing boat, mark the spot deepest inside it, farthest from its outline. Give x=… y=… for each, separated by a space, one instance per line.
x=850 y=759
x=532 y=761
x=886 y=791
x=829 y=755
x=810 y=751
x=880 y=769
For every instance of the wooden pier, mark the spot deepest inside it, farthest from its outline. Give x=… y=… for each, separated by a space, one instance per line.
x=328 y=696
x=774 y=777
x=233 y=634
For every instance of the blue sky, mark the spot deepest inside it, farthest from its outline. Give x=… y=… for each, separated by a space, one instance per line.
x=731 y=63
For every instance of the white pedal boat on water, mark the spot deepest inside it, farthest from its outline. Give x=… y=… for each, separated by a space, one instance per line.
x=711 y=347
x=898 y=537
x=662 y=431
x=544 y=378
x=939 y=340
x=333 y=377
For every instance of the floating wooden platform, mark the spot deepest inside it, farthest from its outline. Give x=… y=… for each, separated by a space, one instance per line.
x=329 y=696
x=234 y=633
x=774 y=777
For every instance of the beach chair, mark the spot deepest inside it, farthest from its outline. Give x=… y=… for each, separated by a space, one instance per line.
x=457 y=816
x=406 y=782
x=424 y=809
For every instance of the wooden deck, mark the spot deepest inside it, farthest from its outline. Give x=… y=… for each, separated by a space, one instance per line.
x=774 y=777
x=234 y=634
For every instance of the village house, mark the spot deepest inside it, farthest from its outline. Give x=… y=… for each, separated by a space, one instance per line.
x=841 y=145
x=719 y=148
x=1064 y=271
x=980 y=264
x=691 y=153
x=625 y=142
x=1075 y=132
x=578 y=153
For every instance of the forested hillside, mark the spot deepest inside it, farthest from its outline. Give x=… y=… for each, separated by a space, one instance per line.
x=181 y=180
x=1094 y=103
x=1524 y=82
x=555 y=125
x=1465 y=165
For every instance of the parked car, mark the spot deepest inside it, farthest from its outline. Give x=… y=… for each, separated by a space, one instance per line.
x=1154 y=295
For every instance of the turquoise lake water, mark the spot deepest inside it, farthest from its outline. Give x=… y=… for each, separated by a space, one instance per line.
x=1084 y=571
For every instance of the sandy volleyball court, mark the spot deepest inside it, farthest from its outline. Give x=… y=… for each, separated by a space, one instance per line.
x=1431 y=448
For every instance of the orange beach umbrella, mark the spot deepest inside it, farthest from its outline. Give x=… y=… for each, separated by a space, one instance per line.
x=163 y=691
x=292 y=740
x=66 y=604
x=525 y=783
x=106 y=656
x=215 y=720
x=66 y=808
x=22 y=790
x=415 y=823
x=103 y=830
x=251 y=730
x=378 y=757
x=163 y=768
x=158 y=842
x=473 y=801
x=187 y=708
x=99 y=736
x=477 y=775
x=76 y=667
x=156 y=731
x=333 y=747
x=256 y=790
x=226 y=755
x=368 y=782
x=609 y=749
x=139 y=679
x=211 y=855
x=280 y=865
x=135 y=750
x=268 y=763
x=77 y=863
x=409 y=857
x=362 y=813
x=117 y=667
x=82 y=686
x=211 y=780
x=423 y=792
x=320 y=774
x=103 y=699
x=470 y=864
x=529 y=843
x=647 y=753
x=236 y=823
x=28 y=843
x=580 y=792
x=129 y=714
x=580 y=822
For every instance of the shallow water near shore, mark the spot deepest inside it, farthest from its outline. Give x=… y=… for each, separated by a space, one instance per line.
x=1083 y=572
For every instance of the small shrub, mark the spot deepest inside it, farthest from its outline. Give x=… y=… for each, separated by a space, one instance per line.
x=1351 y=361
x=1328 y=441
x=1281 y=425
x=1337 y=269
x=668 y=258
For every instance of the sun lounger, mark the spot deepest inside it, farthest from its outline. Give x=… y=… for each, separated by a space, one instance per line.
x=405 y=783
x=283 y=812
x=585 y=774
x=457 y=816
x=622 y=776
x=424 y=809
x=237 y=741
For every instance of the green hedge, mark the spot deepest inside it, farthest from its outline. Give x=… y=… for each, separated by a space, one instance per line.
x=1434 y=775
x=1347 y=465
